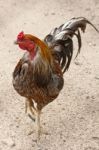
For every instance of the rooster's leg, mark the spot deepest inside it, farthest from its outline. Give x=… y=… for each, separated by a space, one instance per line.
x=40 y=130
x=29 y=104
x=26 y=105
x=38 y=124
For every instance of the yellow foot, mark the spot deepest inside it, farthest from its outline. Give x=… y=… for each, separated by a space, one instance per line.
x=41 y=132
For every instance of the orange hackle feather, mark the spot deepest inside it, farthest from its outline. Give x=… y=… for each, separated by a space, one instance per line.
x=45 y=51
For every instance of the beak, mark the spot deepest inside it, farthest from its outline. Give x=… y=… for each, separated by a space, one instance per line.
x=15 y=42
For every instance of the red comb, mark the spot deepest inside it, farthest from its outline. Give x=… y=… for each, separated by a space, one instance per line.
x=20 y=36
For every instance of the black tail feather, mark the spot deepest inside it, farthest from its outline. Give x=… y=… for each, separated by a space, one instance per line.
x=60 y=40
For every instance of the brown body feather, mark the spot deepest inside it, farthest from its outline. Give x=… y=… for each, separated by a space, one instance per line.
x=41 y=85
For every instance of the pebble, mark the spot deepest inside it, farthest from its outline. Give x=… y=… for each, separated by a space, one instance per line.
x=77 y=63
x=97 y=78
x=52 y=13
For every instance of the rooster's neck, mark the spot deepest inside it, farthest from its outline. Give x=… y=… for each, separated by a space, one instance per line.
x=45 y=51
x=32 y=54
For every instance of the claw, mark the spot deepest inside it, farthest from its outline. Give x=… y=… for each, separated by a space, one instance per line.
x=33 y=119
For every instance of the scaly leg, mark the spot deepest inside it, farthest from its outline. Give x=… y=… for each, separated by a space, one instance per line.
x=39 y=127
x=29 y=104
x=26 y=105
x=38 y=124
x=35 y=112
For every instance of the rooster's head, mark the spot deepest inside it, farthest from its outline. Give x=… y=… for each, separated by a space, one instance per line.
x=30 y=43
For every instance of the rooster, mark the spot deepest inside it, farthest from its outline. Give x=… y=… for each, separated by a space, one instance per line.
x=38 y=76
